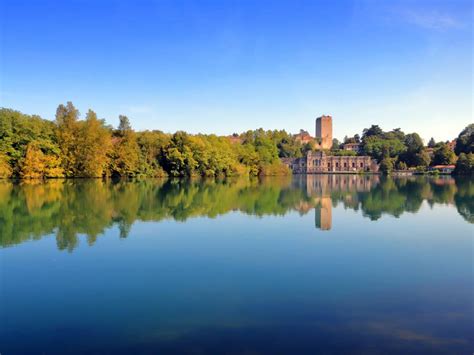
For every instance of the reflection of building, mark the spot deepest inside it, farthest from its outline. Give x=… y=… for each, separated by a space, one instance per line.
x=320 y=162
x=323 y=214
x=321 y=189
x=444 y=169
x=324 y=185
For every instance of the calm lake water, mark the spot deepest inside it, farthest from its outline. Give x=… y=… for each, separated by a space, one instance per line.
x=304 y=265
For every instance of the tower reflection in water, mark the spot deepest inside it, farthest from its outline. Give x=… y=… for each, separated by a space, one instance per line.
x=323 y=214
x=322 y=188
x=69 y=209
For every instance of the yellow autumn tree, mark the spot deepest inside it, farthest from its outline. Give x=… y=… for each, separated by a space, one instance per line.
x=94 y=144
x=33 y=165
x=53 y=167
x=66 y=133
x=5 y=168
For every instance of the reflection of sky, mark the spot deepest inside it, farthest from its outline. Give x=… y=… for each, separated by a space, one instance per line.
x=243 y=282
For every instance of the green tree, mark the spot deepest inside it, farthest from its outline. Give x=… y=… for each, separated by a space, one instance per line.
x=381 y=147
x=465 y=164
x=443 y=155
x=374 y=130
x=401 y=165
x=336 y=145
x=396 y=133
x=286 y=144
x=125 y=156
x=152 y=145
x=179 y=157
x=17 y=130
x=465 y=140
x=386 y=166
x=124 y=125
x=413 y=155
x=422 y=159
x=431 y=143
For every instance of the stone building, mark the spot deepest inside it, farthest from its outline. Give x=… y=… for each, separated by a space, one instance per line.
x=319 y=162
x=324 y=131
x=355 y=147
x=303 y=137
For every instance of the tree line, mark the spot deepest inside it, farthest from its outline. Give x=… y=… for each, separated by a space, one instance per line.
x=396 y=150
x=32 y=147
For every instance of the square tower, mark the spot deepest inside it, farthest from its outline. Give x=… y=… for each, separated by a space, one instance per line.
x=324 y=131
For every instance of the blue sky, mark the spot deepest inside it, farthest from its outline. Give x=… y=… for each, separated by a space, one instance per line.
x=228 y=66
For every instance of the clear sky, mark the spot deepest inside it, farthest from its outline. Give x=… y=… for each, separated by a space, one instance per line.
x=226 y=66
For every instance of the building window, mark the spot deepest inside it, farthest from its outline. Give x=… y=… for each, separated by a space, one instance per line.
x=337 y=164
x=353 y=164
x=361 y=165
x=329 y=165
x=345 y=165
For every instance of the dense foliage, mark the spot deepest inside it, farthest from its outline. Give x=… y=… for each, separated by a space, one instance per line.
x=397 y=150
x=465 y=164
x=32 y=147
x=465 y=140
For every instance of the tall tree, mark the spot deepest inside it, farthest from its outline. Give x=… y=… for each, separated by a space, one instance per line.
x=124 y=125
x=431 y=143
x=374 y=130
x=413 y=156
x=33 y=166
x=94 y=144
x=465 y=164
x=67 y=133
x=126 y=152
x=443 y=155
x=465 y=140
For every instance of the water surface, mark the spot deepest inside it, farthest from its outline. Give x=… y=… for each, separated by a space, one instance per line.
x=333 y=264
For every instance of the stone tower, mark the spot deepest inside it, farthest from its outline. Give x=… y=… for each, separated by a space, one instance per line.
x=324 y=131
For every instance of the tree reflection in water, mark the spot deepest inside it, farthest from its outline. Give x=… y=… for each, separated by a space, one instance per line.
x=68 y=208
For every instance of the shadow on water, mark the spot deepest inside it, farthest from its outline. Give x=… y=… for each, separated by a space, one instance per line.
x=67 y=208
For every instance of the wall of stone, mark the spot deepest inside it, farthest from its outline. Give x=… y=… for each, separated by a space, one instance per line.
x=324 y=131
x=319 y=162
